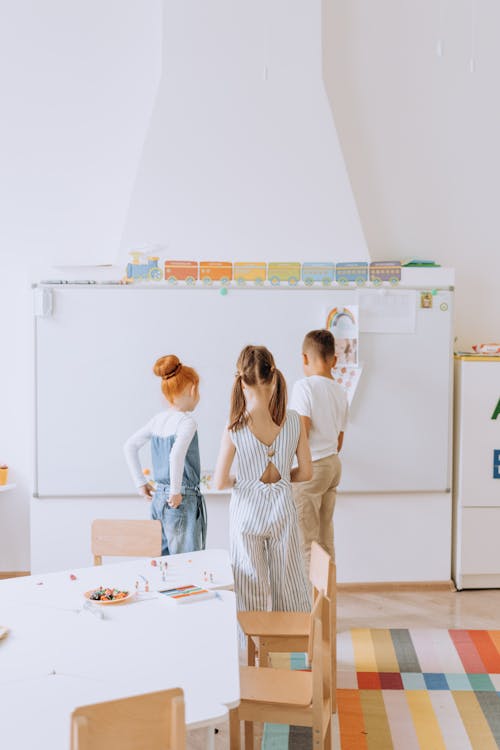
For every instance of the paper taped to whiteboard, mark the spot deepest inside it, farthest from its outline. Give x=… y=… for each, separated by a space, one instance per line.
x=387 y=311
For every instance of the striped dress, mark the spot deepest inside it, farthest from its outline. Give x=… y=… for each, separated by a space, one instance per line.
x=264 y=533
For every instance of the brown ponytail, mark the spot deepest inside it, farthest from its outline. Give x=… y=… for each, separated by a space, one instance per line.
x=237 y=416
x=256 y=367
x=174 y=376
x=277 y=404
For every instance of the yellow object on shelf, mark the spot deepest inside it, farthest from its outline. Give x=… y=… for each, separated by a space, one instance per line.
x=4 y=473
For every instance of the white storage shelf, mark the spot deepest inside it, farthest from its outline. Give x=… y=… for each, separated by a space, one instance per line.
x=5 y=487
x=476 y=494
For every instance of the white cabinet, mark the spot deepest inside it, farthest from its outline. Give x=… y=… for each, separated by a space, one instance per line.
x=476 y=473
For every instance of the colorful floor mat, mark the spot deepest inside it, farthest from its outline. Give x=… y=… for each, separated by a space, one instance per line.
x=421 y=689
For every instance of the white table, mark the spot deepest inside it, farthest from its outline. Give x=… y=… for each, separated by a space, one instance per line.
x=58 y=656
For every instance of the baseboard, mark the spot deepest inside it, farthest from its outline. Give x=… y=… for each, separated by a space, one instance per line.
x=482 y=581
x=393 y=586
x=13 y=573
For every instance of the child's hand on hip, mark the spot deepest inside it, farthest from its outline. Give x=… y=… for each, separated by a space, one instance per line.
x=175 y=500
x=146 y=491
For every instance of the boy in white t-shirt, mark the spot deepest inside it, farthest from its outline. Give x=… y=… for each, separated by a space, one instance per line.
x=323 y=408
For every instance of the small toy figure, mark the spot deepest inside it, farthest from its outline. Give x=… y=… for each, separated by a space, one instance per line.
x=163 y=568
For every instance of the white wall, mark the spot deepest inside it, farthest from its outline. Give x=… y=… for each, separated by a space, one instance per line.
x=242 y=159
x=420 y=137
x=78 y=81
x=419 y=134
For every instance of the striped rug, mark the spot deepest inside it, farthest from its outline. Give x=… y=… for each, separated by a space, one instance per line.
x=421 y=689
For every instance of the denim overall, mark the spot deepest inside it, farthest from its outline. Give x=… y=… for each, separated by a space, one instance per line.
x=183 y=529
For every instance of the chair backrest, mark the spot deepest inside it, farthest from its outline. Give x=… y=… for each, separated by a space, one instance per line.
x=154 y=721
x=323 y=576
x=319 y=653
x=319 y=570
x=125 y=538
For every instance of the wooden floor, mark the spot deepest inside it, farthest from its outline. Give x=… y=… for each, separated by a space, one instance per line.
x=408 y=609
x=420 y=609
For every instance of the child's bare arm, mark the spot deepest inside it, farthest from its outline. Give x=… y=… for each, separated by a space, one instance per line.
x=222 y=477
x=340 y=441
x=306 y=423
x=302 y=472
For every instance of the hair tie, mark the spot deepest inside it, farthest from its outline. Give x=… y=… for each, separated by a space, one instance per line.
x=172 y=372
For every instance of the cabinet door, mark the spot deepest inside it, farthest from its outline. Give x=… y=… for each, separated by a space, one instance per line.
x=477 y=435
x=480 y=541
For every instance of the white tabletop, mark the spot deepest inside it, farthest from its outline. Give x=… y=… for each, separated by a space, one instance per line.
x=59 y=655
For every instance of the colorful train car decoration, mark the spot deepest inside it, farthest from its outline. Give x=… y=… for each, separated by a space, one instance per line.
x=385 y=270
x=257 y=273
x=283 y=272
x=314 y=273
x=212 y=271
x=181 y=270
x=346 y=273
x=250 y=273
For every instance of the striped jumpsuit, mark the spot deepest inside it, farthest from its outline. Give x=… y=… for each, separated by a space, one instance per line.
x=263 y=525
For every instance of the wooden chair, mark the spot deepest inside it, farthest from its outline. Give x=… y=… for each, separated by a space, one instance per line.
x=125 y=538
x=281 y=696
x=280 y=632
x=154 y=721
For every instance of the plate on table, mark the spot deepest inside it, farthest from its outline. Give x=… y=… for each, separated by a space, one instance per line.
x=3 y=631
x=117 y=596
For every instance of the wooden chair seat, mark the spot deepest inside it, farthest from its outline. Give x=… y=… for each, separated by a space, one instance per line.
x=266 y=685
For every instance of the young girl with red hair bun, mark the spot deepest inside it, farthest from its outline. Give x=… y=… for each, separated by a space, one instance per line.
x=176 y=499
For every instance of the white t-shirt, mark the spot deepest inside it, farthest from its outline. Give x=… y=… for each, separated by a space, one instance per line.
x=169 y=422
x=325 y=403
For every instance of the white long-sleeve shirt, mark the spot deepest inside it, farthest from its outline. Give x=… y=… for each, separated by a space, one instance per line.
x=166 y=423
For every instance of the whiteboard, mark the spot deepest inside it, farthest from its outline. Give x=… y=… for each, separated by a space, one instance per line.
x=95 y=386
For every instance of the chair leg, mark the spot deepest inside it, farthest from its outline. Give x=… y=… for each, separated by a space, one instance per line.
x=248 y=735
x=333 y=646
x=234 y=730
x=327 y=743
x=250 y=651
x=263 y=654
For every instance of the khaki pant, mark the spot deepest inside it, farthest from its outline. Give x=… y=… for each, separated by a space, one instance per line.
x=315 y=501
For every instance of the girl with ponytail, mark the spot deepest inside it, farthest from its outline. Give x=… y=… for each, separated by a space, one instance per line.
x=176 y=498
x=264 y=533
